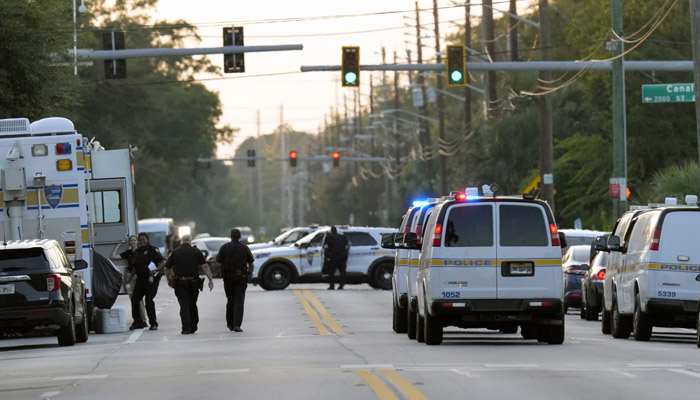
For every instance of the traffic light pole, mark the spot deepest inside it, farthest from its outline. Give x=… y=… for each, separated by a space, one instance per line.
x=695 y=29
x=84 y=55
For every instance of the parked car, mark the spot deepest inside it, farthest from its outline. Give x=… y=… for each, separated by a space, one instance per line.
x=592 y=287
x=575 y=263
x=575 y=237
x=211 y=245
x=39 y=290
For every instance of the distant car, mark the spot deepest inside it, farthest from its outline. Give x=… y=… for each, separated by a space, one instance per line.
x=576 y=237
x=592 y=287
x=39 y=290
x=246 y=235
x=211 y=246
x=286 y=238
x=575 y=263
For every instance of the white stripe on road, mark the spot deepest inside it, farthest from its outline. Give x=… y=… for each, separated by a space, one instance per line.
x=686 y=372
x=134 y=336
x=224 y=371
x=78 y=377
x=652 y=365
x=48 y=395
x=367 y=366
x=511 y=365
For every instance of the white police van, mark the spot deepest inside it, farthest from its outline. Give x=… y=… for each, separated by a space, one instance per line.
x=654 y=276
x=398 y=277
x=276 y=268
x=490 y=262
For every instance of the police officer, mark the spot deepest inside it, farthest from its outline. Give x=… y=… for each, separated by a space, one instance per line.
x=147 y=263
x=182 y=271
x=336 y=246
x=236 y=263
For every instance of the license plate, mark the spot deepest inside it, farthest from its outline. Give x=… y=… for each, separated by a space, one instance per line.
x=7 y=289
x=521 y=268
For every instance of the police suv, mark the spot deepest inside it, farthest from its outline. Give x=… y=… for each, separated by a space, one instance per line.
x=490 y=262
x=652 y=270
x=276 y=268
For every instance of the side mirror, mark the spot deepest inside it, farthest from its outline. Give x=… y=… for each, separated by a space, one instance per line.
x=614 y=244
x=303 y=245
x=600 y=243
x=79 y=264
x=388 y=241
x=562 y=240
x=410 y=241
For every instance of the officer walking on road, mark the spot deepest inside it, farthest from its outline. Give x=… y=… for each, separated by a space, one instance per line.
x=336 y=248
x=236 y=263
x=182 y=271
x=148 y=265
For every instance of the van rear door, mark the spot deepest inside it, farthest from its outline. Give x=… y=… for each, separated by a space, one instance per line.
x=529 y=266
x=678 y=257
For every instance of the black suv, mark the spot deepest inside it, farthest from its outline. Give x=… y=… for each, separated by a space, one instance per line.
x=39 y=290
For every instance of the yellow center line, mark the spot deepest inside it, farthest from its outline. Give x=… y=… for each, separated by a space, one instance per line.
x=321 y=309
x=406 y=387
x=379 y=388
x=312 y=314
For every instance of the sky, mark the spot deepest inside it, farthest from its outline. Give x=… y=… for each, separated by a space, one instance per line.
x=272 y=84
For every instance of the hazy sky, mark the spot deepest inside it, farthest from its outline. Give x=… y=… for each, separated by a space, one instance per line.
x=306 y=97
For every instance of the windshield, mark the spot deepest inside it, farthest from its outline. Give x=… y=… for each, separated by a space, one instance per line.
x=309 y=238
x=215 y=245
x=23 y=259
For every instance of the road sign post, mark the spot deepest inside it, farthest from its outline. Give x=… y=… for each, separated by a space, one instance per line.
x=668 y=93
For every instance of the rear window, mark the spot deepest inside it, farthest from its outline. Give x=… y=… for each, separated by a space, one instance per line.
x=680 y=231
x=469 y=226
x=23 y=260
x=578 y=240
x=522 y=225
x=581 y=254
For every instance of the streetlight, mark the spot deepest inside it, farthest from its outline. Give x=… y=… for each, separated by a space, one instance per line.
x=82 y=9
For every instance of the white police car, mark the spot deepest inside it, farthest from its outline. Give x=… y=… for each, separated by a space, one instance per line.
x=276 y=268
x=490 y=262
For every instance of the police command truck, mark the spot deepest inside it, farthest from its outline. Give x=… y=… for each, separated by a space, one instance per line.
x=490 y=262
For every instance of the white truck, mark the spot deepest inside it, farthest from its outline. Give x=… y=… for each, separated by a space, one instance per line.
x=58 y=184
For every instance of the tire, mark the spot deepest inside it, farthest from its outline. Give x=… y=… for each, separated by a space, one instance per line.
x=81 y=331
x=411 y=319
x=619 y=324
x=381 y=276
x=420 y=328
x=542 y=334
x=395 y=317
x=591 y=313
x=641 y=322
x=698 y=328
x=401 y=320
x=66 y=334
x=605 y=326
x=528 y=332
x=555 y=333
x=276 y=277
x=433 y=330
x=582 y=314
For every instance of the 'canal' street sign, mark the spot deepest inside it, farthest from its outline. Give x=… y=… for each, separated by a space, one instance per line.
x=669 y=93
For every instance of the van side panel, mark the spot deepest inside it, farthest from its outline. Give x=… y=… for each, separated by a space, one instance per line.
x=633 y=272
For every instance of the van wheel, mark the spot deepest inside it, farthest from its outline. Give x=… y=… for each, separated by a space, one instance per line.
x=698 y=328
x=433 y=330
x=641 y=323
x=528 y=332
x=66 y=334
x=555 y=333
x=605 y=326
x=542 y=334
x=591 y=313
x=381 y=276
x=81 y=332
x=620 y=326
x=277 y=277
x=420 y=328
x=411 y=319
x=401 y=320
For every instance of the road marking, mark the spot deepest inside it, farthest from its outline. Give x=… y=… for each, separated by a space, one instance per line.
x=405 y=386
x=367 y=366
x=379 y=388
x=623 y=373
x=48 y=395
x=134 y=336
x=685 y=372
x=652 y=365
x=78 y=377
x=465 y=373
x=510 y=365
x=312 y=314
x=223 y=371
x=321 y=309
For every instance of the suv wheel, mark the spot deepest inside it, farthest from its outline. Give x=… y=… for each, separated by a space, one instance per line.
x=381 y=276
x=619 y=326
x=277 y=277
x=605 y=326
x=641 y=323
x=591 y=313
x=82 y=330
x=66 y=334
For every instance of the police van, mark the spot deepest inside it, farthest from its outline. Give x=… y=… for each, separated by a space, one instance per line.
x=398 y=277
x=491 y=262
x=276 y=268
x=654 y=276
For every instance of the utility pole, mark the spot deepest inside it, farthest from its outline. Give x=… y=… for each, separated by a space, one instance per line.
x=426 y=152
x=440 y=103
x=467 y=89
x=618 y=109
x=397 y=138
x=258 y=171
x=513 y=31
x=695 y=28
x=487 y=25
x=371 y=112
x=546 y=135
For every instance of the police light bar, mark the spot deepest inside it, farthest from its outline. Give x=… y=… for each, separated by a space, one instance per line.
x=419 y=203
x=471 y=193
x=460 y=196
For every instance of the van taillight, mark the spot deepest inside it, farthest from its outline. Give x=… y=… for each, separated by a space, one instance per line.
x=437 y=237
x=52 y=282
x=600 y=275
x=555 y=234
x=655 y=239
x=419 y=232
x=406 y=229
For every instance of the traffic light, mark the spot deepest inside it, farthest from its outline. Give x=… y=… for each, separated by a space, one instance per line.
x=115 y=68
x=233 y=36
x=336 y=159
x=456 y=71
x=293 y=158
x=251 y=158
x=350 y=68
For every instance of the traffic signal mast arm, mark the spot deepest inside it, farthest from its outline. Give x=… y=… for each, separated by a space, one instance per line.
x=172 y=52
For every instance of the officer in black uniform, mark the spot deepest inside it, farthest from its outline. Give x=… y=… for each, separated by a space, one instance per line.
x=336 y=248
x=147 y=263
x=182 y=271
x=236 y=263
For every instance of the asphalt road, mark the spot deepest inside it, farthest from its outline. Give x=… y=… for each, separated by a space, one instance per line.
x=310 y=343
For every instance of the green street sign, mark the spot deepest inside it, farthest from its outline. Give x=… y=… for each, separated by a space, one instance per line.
x=669 y=93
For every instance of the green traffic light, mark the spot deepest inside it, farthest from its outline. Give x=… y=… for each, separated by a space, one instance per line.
x=350 y=77
x=456 y=76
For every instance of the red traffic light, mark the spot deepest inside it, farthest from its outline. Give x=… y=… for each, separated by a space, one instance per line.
x=293 y=154
x=336 y=159
x=335 y=155
x=293 y=158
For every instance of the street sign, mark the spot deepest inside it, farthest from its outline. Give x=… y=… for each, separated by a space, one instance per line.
x=669 y=93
